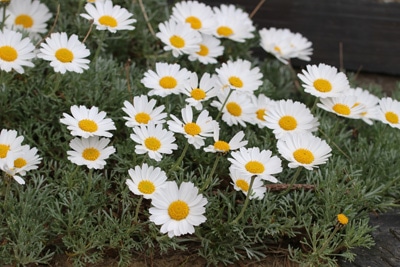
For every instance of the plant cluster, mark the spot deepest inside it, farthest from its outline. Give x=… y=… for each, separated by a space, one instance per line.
x=135 y=130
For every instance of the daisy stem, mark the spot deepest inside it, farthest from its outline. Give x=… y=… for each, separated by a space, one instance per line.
x=293 y=181
x=223 y=105
x=3 y=21
x=210 y=176
x=100 y=44
x=246 y=202
x=90 y=182
x=337 y=227
x=178 y=162
x=135 y=219
x=57 y=83
x=338 y=148
x=7 y=189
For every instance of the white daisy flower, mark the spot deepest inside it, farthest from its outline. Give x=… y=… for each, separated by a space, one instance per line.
x=108 y=17
x=210 y=49
x=28 y=15
x=19 y=163
x=146 y=180
x=305 y=150
x=15 y=51
x=199 y=92
x=262 y=104
x=91 y=151
x=345 y=106
x=238 y=109
x=240 y=75
x=284 y=44
x=94 y=1
x=233 y=23
x=369 y=101
x=389 y=112
x=178 y=209
x=288 y=116
x=323 y=81
x=179 y=37
x=252 y=161
x=154 y=140
x=88 y=122
x=143 y=111
x=194 y=131
x=65 y=54
x=221 y=146
x=9 y=143
x=198 y=15
x=242 y=182
x=167 y=79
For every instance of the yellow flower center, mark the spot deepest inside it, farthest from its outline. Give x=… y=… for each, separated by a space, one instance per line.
x=236 y=81
x=277 y=49
x=342 y=219
x=91 y=153
x=8 y=53
x=192 y=128
x=152 y=143
x=142 y=117
x=341 y=109
x=4 y=150
x=177 y=41
x=178 y=210
x=254 y=167
x=203 y=50
x=146 y=187
x=322 y=85
x=242 y=184
x=222 y=146
x=19 y=163
x=88 y=125
x=224 y=31
x=198 y=94
x=195 y=23
x=168 y=82
x=234 y=109
x=304 y=156
x=288 y=123
x=392 y=117
x=64 y=55
x=260 y=114
x=108 y=21
x=24 y=20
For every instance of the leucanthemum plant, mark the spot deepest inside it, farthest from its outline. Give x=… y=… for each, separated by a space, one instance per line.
x=181 y=140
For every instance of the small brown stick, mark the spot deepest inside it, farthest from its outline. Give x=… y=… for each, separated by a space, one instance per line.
x=89 y=31
x=146 y=18
x=282 y=187
x=256 y=8
x=52 y=27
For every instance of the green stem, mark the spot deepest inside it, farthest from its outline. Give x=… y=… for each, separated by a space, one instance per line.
x=70 y=179
x=100 y=44
x=338 y=148
x=3 y=22
x=223 y=105
x=294 y=179
x=210 y=176
x=57 y=82
x=325 y=244
x=246 y=202
x=135 y=219
x=90 y=182
x=178 y=162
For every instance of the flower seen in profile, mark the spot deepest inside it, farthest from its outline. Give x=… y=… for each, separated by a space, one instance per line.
x=107 y=16
x=65 y=54
x=198 y=15
x=88 y=122
x=239 y=75
x=288 y=116
x=345 y=106
x=221 y=146
x=389 y=112
x=194 y=130
x=262 y=105
x=179 y=37
x=253 y=161
x=91 y=151
x=304 y=149
x=233 y=23
x=15 y=51
x=10 y=142
x=369 y=101
x=28 y=15
x=324 y=81
x=167 y=79
x=153 y=140
x=209 y=49
x=146 y=180
x=242 y=183
x=200 y=91
x=178 y=209
x=143 y=111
